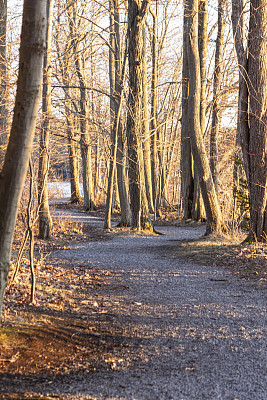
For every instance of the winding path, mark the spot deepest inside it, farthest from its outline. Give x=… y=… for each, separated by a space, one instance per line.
x=192 y=332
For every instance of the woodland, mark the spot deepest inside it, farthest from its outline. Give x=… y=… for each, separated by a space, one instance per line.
x=154 y=106
x=153 y=111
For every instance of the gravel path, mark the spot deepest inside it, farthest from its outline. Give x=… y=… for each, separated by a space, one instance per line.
x=193 y=332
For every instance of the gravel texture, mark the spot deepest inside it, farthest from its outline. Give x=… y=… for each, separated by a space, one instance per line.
x=190 y=331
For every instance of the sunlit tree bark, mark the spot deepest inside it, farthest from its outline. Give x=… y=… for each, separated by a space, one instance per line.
x=45 y=220
x=187 y=180
x=85 y=142
x=216 y=110
x=33 y=39
x=252 y=119
x=116 y=77
x=213 y=213
x=146 y=130
x=64 y=62
x=3 y=74
x=137 y=12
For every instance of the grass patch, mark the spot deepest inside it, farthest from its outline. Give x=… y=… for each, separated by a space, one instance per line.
x=247 y=260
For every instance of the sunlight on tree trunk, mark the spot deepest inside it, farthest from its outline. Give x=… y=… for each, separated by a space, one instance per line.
x=45 y=220
x=25 y=114
x=213 y=213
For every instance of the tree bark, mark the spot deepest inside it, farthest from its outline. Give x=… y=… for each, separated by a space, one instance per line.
x=203 y=47
x=25 y=114
x=45 y=220
x=187 y=180
x=86 y=148
x=137 y=12
x=257 y=77
x=213 y=213
x=155 y=132
x=198 y=209
x=116 y=76
x=146 y=130
x=216 y=112
x=252 y=109
x=117 y=126
x=73 y=147
x=3 y=76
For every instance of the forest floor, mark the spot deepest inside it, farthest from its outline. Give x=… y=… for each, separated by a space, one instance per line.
x=126 y=315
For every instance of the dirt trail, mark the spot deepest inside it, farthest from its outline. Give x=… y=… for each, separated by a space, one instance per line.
x=170 y=329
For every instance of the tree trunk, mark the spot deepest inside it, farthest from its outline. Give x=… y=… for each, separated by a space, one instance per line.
x=238 y=22
x=86 y=148
x=25 y=114
x=198 y=209
x=252 y=109
x=241 y=51
x=216 y=112
x=137 y=12
x=116 y=74
x=3 y=76
x=45 y=220
x=73 y=150
x=155 y=134
x=114 y=137
x=146 y=131
x=187 y=181
x=211 y=204
x=202 y=47
x=257 y=77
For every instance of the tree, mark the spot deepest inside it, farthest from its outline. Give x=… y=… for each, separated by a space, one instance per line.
x=137 y=12
x=64 y=62
x=146 y=129
x=213 y=213
x=3 y=74
x=33 y=41
x=116 y=78
x=187 y=180
x=198 y=210
x=252 y=113
x=86 y=148
x=45 y=220
x=216 y=112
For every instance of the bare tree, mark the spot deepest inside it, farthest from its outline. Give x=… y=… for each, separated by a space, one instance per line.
x=137 y=12
x=3 y=73
x=146 y=129
x=216 y=111
x=65 y=61
x=86 y=147
x=45 y=220
x=187 y=180
x=211 y=204
x=116 y=77
x=25 y=113
x=252 y=108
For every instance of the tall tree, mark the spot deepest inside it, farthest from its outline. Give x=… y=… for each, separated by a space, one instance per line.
x=155 y=132
x=198 y=210
x=216 y=110
x=116 y=77
x=252 y=122
x=32 y=47
x=65 y=61
x=3 y=73
x=86 y=147
x=45 y=220
x=137 y=12
x=213 y=213
x=187 y=180
x=146 y=129
x=203 y=47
